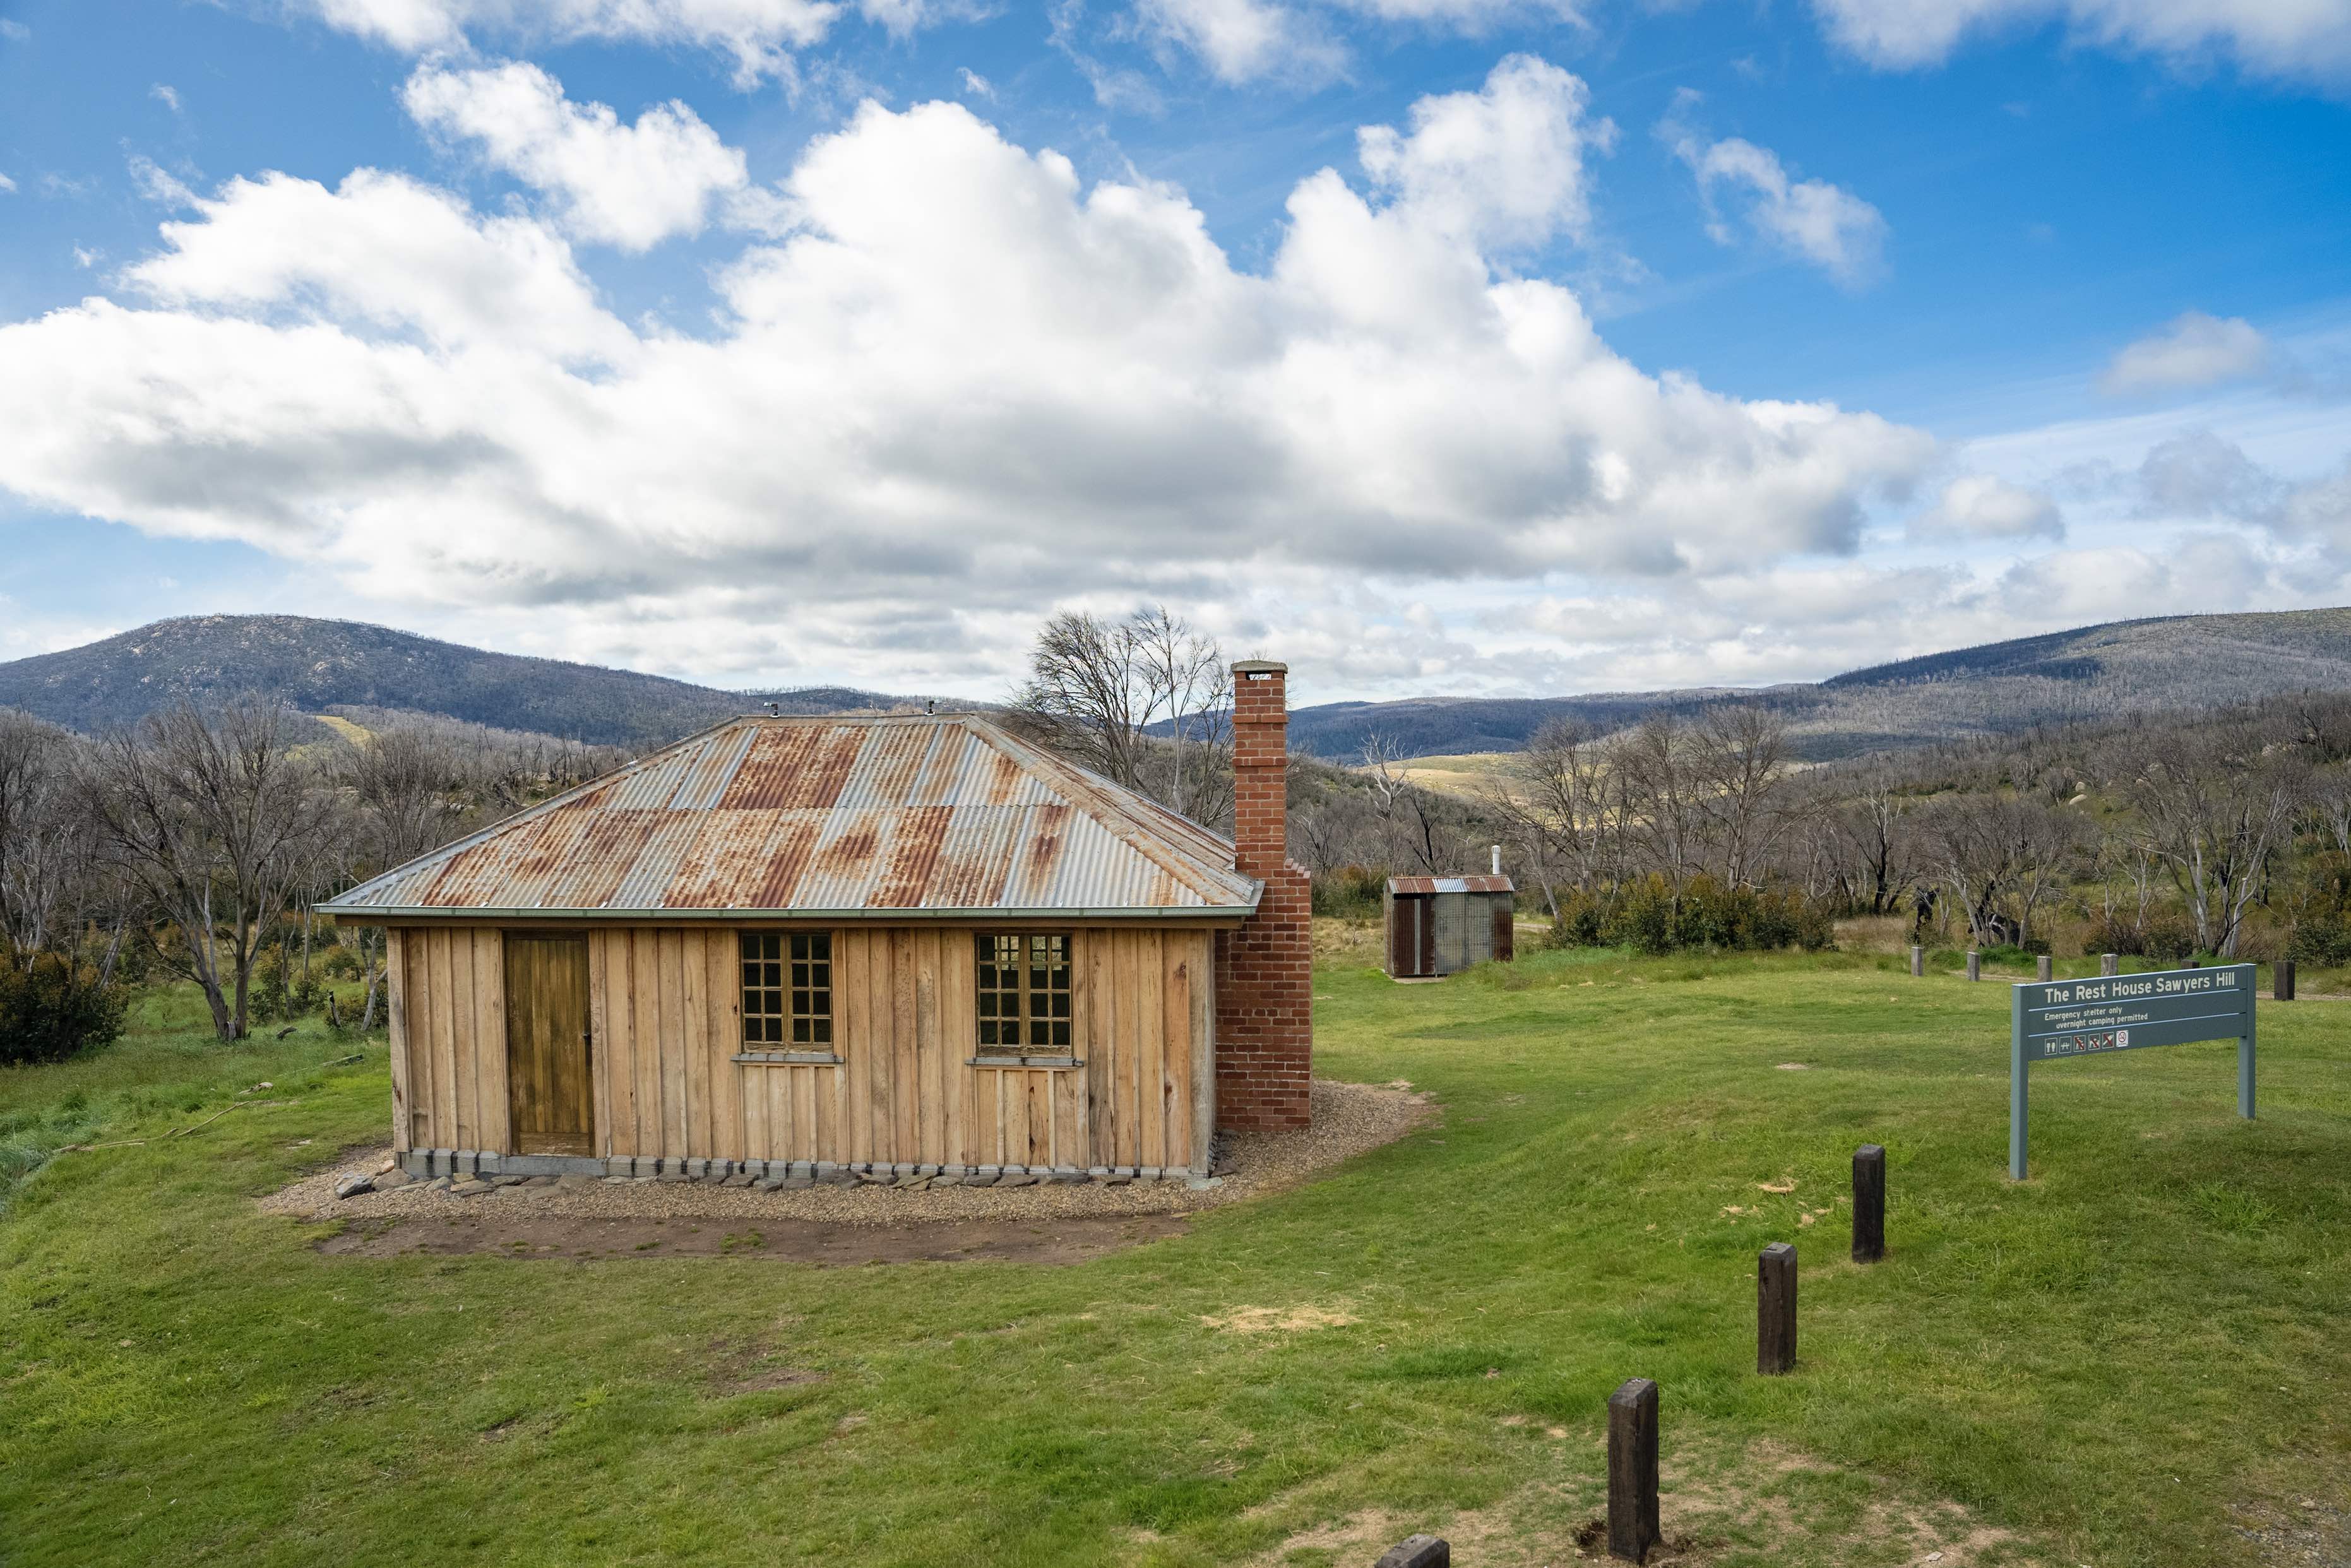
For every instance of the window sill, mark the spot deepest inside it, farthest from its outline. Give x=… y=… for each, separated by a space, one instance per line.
x=1024 y=1061
x=788 y=1058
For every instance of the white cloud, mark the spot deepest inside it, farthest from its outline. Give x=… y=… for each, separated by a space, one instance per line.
x=1984 y=507
x=976 y=84
x=2193 y=350
x=6 y=185
x=157 y=185
x=626 y=185
x=384 y=254
x=1244 y=40
x=1811 y=219
x=1248 y=40
x=166 y=95
x=965 y=389
x=1503 y=166
x=760 y=36
x=2303 y=40
x=14 y=31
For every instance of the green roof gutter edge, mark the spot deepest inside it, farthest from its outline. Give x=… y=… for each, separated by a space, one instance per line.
x=895 y=916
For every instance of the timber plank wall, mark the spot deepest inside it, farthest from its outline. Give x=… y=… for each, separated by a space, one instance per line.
x=665 y=1012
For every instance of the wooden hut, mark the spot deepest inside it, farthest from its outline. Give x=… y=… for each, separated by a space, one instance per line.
x=1440 y=924
x=797 y=945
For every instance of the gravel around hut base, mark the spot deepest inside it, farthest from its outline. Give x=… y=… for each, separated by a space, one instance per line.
x=1348 y=1120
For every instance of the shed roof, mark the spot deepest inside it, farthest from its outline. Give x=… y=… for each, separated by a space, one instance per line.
x=1407 y=886
x=914 y=816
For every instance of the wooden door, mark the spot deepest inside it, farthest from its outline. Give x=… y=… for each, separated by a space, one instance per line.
x=551 y=1095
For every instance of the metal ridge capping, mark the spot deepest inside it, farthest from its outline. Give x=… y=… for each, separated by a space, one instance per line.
x=913 y=815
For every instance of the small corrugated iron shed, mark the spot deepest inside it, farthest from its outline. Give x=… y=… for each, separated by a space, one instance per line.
x=1439 y=924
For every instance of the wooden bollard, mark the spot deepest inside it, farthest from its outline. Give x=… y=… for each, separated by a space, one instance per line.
x=2282 y=980
x=1417 y=1551
x=1633 y=1526
x=1868 y=1203
x=1918 y=961
x=1775 y=1309
x=1975 y=965
x=2041 y=968
x=2193 y=963
x=2110 y=963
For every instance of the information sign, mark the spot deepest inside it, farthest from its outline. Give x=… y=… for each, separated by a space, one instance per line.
x=2057 y=1019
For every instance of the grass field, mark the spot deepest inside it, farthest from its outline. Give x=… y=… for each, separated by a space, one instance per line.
x=2126 y=1361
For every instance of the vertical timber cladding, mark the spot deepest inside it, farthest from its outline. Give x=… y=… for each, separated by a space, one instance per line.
x=448 y=1016
x=666 y=1012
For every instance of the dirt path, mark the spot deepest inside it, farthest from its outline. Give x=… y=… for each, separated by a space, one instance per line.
x=825 y=1243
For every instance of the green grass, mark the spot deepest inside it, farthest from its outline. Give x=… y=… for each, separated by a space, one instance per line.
x=2108 y=1361
x=167 y=1062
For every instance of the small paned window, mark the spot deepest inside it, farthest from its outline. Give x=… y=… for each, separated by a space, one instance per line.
x=1024 y=995
x=788 y=990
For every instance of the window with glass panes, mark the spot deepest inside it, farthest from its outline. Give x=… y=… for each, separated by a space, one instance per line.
x=1024 y=994
x=788 y=990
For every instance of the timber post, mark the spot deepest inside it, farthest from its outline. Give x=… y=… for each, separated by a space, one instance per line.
x=1917 y=960
x=2110 y=963
x=1975 y=965
x=2042 y=968
x=1869 y=1203
x=1633 y=1525
x=1775 y=1309
x=2282 y=980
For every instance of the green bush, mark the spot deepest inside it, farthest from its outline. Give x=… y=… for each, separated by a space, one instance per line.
x=51 y=1008
x=1646 y=916
x=2325 y=941
x=1349 y=891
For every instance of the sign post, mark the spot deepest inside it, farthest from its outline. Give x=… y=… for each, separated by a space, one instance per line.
x=2053 y=1019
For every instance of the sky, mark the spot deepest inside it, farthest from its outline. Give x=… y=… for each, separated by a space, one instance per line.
x=1437 y=347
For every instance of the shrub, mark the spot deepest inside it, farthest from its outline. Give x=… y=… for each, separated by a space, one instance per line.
x=1646 y=917
x=1350 y=891
x=51 y=1008
x=2325 y=941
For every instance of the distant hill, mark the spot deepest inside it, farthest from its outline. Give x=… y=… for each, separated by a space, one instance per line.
x=2175 y=663
x=2172 y=663
x=319 y=665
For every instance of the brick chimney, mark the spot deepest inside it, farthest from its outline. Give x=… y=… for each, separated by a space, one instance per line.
x=1265 y=1023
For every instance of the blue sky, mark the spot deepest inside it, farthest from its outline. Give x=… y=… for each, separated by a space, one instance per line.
x=1435 y=345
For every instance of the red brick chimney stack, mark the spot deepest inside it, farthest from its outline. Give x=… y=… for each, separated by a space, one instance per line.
x=1265 y=1024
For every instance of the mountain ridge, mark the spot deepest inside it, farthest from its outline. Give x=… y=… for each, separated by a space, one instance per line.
x=318 y=664
x=2156 y=663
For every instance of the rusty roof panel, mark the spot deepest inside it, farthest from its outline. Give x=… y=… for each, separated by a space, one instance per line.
x=1408 y=885
x=774 y=815
x=713 y=769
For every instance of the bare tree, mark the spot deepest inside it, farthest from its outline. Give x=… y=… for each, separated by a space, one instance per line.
x=1739 y=762
x=47 y=880
x=1871 y=832
x=1660 y=766
x=1188 y=682
x=214 y=819
x=1410 y=818
x=2214 y=807
x=1097 y=689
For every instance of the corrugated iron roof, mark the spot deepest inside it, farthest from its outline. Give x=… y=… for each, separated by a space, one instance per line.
x=1412 y=884
x=917 y=814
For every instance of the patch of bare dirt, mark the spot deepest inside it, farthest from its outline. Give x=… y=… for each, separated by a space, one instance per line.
x=755 y=1368
x=1716 y=1504
x=2303 y=1532
x=1279 y=1320
x=825 y=1243
x=1348 y=1119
